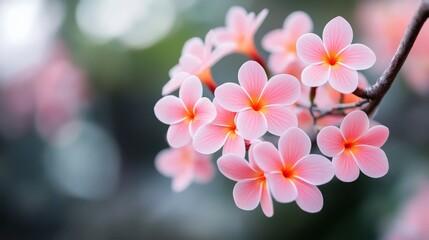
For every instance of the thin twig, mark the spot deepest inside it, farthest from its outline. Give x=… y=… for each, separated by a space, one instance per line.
x=339 y=108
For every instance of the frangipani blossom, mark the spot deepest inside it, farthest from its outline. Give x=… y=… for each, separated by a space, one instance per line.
x=221 y=132
x=197 y=59
x=184 y=165
x=292 y=172
x=186 y=113
x=282 y=43
x=355 y=146
x=335 y=59
x=261 y=105
x=251 y=187
x=240 y=30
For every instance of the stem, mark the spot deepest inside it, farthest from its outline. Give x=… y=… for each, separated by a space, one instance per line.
x=207 y=78
x=376 y=92
x=339 y=109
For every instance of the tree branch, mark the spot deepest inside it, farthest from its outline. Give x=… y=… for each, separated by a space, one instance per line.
x=376 y=92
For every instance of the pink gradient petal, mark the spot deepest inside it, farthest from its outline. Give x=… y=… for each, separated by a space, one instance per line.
x=283 y=189
x=234 y=144
x=178 y=134
x=267 y=157
x=282 y=89
x=222 y=36
x=314 y=169
x=190 y=63
x=236 y=18
x=174 y=83
x=254 y=25
x=232 y=97
x=247 y=194
x=204 y=112
x=210 y=138
x=223 y=116
x=354 y=125
x=294 y=144
x=170 y=110
x=372 y=161
x=266 y=201
x=182 y=181
x=166 y=162
x=252 y=78
x=274 y=41
x=194 y=46
x=251 y=124
x=337 y=35
x=375 y=136
x=345 y=167
x=235 y=167
x=358 y=57
x=315 y=75
x=191 y=91
x=310 y=49
x=204 y=169
x=298 y=23
x=278 y=62
x=220 y=52
x=330 y=141
x=309 y=198
x=279 y=119
x=343 y=79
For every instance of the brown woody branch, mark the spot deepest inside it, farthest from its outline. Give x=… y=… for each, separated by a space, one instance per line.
x=376 y=92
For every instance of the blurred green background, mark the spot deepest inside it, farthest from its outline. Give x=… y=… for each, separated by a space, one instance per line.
x=96 y=178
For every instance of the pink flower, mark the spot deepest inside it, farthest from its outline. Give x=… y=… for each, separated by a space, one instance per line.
x=186 y=113
x=184 y=165
x=292 y=172
x=251 y=187
x=355 y=146
x=221 y=132
x=260 y=105
x=240 y=30
x=197 y=59
x=335 y=60
x=282 y=42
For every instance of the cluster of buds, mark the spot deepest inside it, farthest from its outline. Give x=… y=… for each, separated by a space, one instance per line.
x=311 y=75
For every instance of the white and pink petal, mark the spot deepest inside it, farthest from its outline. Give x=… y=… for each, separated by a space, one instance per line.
x=343 y=79
x=252 y=78
x=358 y=57
x=372 y=161
x=251 y=124
x=315 y=75
x=235 y=167
x=170 y=110
x=309 y=197
x=314 y=169
x=247 y=194
x=178 y=134
x=337 y=35
x=294 y=144
x=283 y=189
x=282 y=89
x=330 y=141
x=279 y=119
x=346 y=168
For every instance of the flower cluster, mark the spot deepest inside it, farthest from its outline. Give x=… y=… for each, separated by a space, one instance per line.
x=241 y=116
